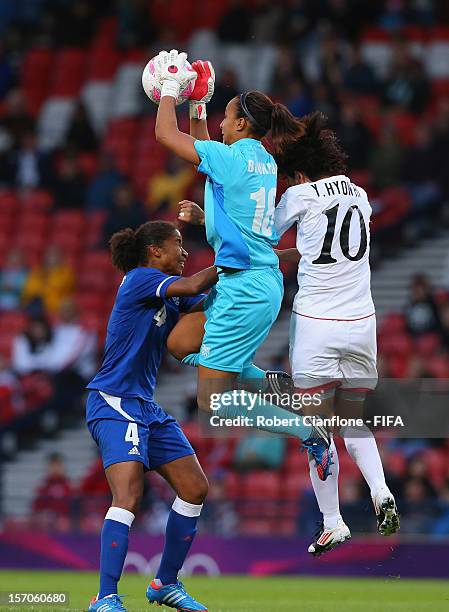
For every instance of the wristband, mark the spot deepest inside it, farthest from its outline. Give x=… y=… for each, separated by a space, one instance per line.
x=170 y=88
x=197 y=110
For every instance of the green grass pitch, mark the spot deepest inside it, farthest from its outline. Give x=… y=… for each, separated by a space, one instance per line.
x=245 y=594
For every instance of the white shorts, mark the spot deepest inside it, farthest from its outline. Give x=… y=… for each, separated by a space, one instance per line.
x=327 y=352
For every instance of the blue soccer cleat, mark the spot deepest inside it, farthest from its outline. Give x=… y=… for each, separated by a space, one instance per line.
x=173 y=596
x=317 y=444
x=111 y=603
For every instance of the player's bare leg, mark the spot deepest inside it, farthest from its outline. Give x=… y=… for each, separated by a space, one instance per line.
x=187 y=479
x=126 y=483
x=362 y=447
x=187 y=335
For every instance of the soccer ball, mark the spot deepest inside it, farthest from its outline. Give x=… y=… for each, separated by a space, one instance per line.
x=152 y=85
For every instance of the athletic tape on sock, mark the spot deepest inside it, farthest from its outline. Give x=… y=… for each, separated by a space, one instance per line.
x=120 y=515
x=186 y=509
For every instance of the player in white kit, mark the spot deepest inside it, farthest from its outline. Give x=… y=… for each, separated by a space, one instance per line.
x=333 y=325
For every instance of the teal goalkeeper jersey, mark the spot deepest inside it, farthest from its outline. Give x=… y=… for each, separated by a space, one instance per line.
x=239 y=202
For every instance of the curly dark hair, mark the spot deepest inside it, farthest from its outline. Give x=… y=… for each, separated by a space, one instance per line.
x=314 y=150
x=129 y=248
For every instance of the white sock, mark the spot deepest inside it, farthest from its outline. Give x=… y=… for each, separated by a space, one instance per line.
x=362 y=447
x=326 y=492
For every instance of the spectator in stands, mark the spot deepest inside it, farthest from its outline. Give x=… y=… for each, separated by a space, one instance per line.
x=75 y=23
x=32 y=350
x=13 y=276
x=421 y=312
x=49 y=283
x=407 y=85
x=7 y=72
x=69 y=185
x=418 y=509
x=235 y=25
x=100 y=191
x=358 y=76
x=225 y=89
x=74 y=347
x=354 y=136
x=51 y=505
x=298 y=100
x=418 y=172
x=81 y=135
x=127 y=211
x=167 y=189
x=16 y=121
x=386 y=159
x=28 y=166
x=259 y=452
x=444 y=319
x=135 y=24
x=11 y=400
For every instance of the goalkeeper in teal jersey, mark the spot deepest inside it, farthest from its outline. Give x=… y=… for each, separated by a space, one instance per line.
x=240 y=197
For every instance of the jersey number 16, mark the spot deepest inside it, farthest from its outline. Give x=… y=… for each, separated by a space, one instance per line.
x=263 y=219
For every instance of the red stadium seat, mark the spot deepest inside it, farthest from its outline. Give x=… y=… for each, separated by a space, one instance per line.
x=392 y=323
x=69 y=72
x=427 y=345
x=36 y=200
x=9 y=203
x=395 y=344
x=262 y=485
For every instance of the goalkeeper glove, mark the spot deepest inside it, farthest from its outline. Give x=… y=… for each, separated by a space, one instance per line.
x=203 y=90
x=172 y=72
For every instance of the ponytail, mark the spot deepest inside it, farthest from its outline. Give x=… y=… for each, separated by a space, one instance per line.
x=124 y=252
x=285 y=128
x=129 y=248
x=265 y=115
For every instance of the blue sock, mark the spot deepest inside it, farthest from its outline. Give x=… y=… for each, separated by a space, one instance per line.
x=241 y=403
x=179 y=535
x=114 y=546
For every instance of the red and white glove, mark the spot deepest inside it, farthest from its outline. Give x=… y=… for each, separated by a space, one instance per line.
x=203 y=90
x=172 y=72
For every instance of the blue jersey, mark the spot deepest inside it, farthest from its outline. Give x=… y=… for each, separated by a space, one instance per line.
x=239 y=202
x=140 y=322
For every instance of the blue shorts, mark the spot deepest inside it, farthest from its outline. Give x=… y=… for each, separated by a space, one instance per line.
x=134 y=430
x=240 y=312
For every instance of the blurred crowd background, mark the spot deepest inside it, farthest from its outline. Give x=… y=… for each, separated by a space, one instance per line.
x=78 y=161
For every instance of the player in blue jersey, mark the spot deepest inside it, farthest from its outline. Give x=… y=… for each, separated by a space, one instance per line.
x=239 y=208
x=133 y=433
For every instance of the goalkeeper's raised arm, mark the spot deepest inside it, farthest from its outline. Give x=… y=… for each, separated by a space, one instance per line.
x=200 y=96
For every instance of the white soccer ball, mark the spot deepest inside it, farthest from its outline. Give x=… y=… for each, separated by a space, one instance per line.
x=152 y=85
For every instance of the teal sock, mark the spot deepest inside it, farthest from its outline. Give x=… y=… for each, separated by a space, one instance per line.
x=249 y=372
x=192 y=359
x=261 y=414
x=252 y=371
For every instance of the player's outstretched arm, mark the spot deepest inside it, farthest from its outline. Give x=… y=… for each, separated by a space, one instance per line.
x=174 y=77
x=189 y=212
x=168 y=134
x=292 y=255
x=192 y=285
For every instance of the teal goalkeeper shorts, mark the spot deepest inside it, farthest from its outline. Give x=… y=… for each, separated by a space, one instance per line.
x=240 y=312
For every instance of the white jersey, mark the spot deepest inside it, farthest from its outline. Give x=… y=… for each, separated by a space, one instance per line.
x=332 y=217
